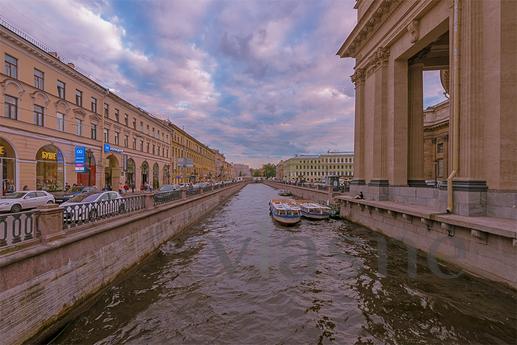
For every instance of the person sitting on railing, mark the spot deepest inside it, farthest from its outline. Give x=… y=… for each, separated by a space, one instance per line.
x=359 y=196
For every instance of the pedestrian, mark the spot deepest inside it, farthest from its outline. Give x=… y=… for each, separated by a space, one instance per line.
x=126 y=188
x=132 y=187
x=25 y=188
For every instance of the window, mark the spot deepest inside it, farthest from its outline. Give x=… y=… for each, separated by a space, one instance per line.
x=134 y=123
x=79 y=98
x=94 y=105
x=60 y=89
x=117 y=138
x=11 y=107
x=117 y=115
x=106 y=135
x=141 y=126
x=440 y=168
x=38 y=115
x=60 y=122
x=147 y=147
x=126 y=120
x=142 y=145
x=11 y=66
x=134 y=143
x=39 y=78
x=154 y=148
x=78 y=127
x=106 y=110
x=439 y=148
x=93 y=131
x=126 y=140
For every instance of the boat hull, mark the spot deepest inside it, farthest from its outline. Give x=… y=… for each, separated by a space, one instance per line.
x=286 y=220
x=315 y=216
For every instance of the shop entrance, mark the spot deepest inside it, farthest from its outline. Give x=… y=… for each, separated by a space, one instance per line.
x=156 y=176
x=7 y=167
x=50 y=169
x=112 y=173
x=88 y=178
x=145 y=175
x=130 y=173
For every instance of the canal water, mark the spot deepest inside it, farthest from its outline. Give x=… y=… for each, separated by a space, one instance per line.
x=239 y=278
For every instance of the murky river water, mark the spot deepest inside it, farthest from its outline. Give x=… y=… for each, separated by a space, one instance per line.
x=239 y=278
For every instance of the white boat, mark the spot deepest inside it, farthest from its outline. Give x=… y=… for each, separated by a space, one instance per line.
x=285 y=212
x=312 y=210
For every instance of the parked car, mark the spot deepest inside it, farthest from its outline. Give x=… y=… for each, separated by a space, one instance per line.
x=65 y=196
x=89 y=206
x=169 y=188
x=167 y=192
x=18 y=201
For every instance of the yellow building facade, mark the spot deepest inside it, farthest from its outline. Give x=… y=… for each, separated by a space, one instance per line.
x=58 y=128
x=317 y=168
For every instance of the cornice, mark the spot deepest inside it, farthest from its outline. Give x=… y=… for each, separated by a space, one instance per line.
x=367 y=26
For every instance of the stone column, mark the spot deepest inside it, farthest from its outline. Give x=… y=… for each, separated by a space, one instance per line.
x=358 y=80
x=416 y=125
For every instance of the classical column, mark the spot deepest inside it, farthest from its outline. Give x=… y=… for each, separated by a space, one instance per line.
x=416 y=125
x=358 y=79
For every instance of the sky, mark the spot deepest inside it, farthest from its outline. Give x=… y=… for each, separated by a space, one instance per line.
x=257 y=79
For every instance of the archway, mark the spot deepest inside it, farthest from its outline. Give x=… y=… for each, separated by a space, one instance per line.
x=130 y=173
x=156 y=176
x=112 y=173
x=88 y=178
x=50 y=169
x=166 y=174
x=7 y=167
x=145 y=174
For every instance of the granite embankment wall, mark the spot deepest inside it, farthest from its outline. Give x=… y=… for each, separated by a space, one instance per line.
x=42 y=284
x=321 y=196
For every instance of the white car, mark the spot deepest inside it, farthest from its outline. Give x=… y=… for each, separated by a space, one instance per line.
x=92 y=206
x=18 y=201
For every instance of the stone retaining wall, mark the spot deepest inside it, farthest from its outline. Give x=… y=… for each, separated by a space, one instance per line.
x=42 y=284
x=321 y=196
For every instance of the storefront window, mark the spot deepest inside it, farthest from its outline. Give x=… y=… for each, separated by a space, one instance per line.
x=166 y=175
x=7 y=167
x=49 y=169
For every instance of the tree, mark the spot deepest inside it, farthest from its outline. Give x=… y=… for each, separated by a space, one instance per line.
x=269 y=170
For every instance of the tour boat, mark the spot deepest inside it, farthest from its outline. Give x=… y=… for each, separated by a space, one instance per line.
x=314 y=211
x=285 y=211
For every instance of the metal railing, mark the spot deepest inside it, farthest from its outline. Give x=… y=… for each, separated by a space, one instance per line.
x=17 y=227
x=165 y=197
x=80 y=214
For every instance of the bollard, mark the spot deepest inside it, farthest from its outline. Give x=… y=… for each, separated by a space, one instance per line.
x=50 y=222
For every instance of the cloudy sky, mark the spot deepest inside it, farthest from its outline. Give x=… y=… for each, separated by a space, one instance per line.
x=257 y=79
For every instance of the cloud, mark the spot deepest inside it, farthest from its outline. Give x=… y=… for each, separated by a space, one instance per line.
x=258 y=80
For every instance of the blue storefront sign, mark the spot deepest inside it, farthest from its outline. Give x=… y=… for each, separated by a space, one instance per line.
x=107 y=148
x=80 y=155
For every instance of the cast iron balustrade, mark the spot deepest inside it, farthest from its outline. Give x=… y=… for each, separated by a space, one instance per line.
x=17 y=227
x=165 y=197
x=77 y=215
x=191 y=192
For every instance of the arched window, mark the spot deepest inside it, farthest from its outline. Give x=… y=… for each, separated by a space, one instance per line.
x=145 y=173
x=7 y=167
x=50 y=169
x=166 y=174
x=112 y=173
x=130 y=173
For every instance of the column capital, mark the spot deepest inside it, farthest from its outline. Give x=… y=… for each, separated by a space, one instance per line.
x=358 y=76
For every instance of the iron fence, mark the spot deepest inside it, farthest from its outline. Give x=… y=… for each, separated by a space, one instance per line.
x=17 y=227
x=165 y=197
x=85 y=213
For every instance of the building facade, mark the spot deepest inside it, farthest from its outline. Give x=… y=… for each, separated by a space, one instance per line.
x=58 y=127
x=241 y=170
x=318 y=168
x=393 y=42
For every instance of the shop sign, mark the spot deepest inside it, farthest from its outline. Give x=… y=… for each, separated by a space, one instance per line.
x=50 y=156
x=80 y=155
x=80 y=168
x=2 y=150
x=108 y=149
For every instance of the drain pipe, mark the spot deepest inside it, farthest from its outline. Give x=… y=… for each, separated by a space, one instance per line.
x=456 y=106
